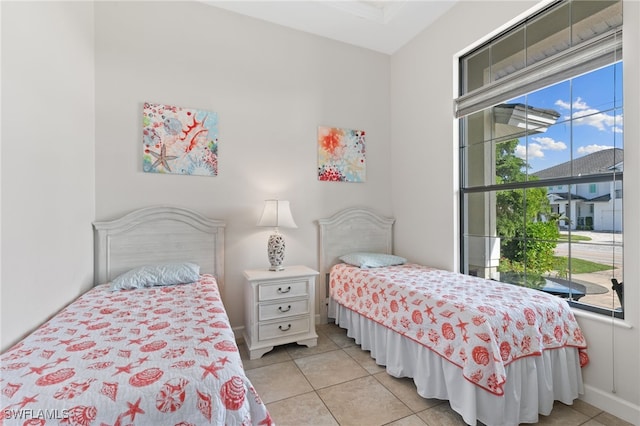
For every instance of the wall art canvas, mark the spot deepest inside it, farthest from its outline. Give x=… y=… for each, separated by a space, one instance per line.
x=341 y=155
x=179 y=140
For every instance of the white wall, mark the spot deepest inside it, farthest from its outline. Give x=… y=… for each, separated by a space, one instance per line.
x=271 y=87
x=425 y=179
x=47 y=162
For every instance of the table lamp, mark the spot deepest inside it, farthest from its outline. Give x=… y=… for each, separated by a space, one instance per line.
x=276 y=214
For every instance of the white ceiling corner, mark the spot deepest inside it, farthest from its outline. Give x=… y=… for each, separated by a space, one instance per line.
x=383 y=25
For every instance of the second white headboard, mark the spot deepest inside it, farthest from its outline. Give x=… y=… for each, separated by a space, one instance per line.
x=348 y=231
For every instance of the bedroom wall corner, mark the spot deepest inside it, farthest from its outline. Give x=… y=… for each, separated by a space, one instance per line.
x=47 y=169
x=425 y=155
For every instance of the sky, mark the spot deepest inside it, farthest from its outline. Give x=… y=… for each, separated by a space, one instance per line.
x=594 y=100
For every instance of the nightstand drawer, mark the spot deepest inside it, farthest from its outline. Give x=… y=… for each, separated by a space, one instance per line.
x=283 y=328
x=282 y=289
x=283 y=309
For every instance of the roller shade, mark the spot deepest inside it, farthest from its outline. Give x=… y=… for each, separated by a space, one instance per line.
x=578 y=60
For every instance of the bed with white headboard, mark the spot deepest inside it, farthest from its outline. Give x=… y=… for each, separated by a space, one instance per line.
x=155 y=235
x=154 y=352
x=350 y=230
x=402 y=313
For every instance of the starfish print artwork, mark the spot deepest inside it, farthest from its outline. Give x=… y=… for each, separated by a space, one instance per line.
x=162 y=158
x=179 y=140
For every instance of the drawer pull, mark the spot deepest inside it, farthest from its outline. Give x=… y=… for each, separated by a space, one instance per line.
x=281 y=291
x=284 y=329
x=284 y=310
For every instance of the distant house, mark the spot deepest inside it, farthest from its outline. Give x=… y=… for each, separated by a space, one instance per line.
x=592 y=205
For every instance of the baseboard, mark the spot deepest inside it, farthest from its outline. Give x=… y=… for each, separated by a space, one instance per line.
x=612 y=404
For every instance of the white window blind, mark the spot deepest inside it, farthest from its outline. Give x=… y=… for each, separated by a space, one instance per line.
x=588 y=56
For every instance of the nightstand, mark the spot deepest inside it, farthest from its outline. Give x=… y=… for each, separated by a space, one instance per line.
x=279 y=308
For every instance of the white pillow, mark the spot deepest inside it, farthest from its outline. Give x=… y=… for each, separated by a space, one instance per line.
x=372 y=260
x=157 y=275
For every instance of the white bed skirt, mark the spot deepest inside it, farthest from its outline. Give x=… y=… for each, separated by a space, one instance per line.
x=533 y=383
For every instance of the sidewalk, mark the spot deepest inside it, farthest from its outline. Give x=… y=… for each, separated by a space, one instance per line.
x=603 y=280
x=599 y=291
x=599 y=237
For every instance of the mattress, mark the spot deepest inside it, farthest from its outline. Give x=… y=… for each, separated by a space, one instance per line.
x=152 y=356
x=499 y=353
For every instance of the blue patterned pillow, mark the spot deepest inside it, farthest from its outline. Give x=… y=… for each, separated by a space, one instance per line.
x=372 y=260
x=157 y=275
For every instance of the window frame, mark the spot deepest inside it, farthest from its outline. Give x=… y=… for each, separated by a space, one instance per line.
x=603 y=50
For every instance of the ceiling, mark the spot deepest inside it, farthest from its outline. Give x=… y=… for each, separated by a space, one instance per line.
x=383 y=26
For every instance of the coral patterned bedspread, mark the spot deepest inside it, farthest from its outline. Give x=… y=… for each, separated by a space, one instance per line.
x=479 y=325
x=153 y=356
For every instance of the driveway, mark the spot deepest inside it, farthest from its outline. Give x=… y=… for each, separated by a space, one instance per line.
x=604 y=248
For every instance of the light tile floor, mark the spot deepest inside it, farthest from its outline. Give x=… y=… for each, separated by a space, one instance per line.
x=337 y=383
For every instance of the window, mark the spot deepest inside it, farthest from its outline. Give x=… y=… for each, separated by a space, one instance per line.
x=541 y=108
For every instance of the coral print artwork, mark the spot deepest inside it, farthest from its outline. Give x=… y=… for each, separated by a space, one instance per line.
x=341 y=155
x=179 y=140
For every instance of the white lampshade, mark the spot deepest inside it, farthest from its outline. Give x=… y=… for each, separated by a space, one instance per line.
x=277 y=214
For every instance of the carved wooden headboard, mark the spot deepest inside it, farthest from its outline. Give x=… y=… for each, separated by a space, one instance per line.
x=156 y=235
x=350 y=230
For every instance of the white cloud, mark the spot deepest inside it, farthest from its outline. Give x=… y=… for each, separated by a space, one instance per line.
x=590 y=149
x=583 y=114
x=595 y=119
x=521 y=152
x=550 y=143
x=537 y=148
x=535 y=151
x=580 y=104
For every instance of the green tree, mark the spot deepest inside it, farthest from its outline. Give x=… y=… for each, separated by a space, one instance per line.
x=524 y=222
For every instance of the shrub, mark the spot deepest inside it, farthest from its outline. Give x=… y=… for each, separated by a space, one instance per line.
x=532 y=247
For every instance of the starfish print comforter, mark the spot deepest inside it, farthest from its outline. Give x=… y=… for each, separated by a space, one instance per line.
x=153 y=356
x=479 y=325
